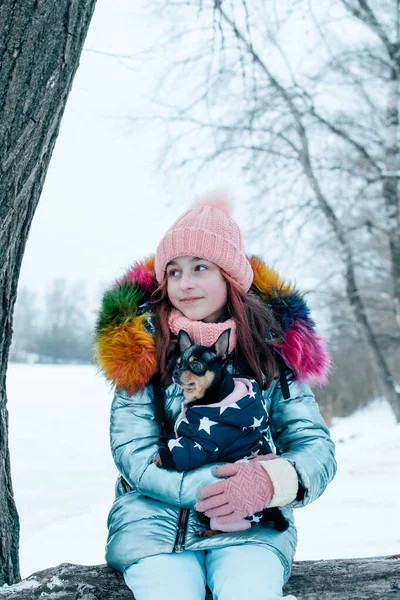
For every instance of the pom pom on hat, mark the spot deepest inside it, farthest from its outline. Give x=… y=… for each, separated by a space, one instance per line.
x=217 y=199
x=207 y=230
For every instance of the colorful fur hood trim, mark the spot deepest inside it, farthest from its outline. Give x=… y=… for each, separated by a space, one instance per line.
x=125 y=347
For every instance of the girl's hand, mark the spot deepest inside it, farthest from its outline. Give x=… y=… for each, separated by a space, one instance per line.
x=248 y=489
x=263 y=457
x=215 y=528
x=261 y=482
x=238 y=525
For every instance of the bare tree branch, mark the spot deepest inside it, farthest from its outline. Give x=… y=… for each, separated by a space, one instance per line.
x=363 y=12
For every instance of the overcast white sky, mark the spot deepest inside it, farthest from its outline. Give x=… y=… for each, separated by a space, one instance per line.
x=101 y=205
x=104 y=204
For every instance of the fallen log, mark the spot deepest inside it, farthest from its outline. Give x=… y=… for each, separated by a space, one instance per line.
x=340 y=579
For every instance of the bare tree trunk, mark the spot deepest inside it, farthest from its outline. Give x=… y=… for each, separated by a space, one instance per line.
x=354 y=297
x=40 y=45
x=392 y=205
x=390 y=184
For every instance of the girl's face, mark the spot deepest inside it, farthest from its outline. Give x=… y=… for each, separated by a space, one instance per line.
x=197 y=288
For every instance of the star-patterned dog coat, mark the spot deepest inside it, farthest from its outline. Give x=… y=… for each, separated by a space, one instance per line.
x=229 y=430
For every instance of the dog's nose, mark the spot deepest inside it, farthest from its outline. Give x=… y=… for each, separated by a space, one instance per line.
x=186 y=380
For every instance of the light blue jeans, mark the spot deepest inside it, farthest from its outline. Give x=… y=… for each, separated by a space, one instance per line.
x=246 y=572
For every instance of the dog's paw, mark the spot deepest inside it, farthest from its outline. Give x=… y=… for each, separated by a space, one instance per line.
x=157 y=461
x=206 y=533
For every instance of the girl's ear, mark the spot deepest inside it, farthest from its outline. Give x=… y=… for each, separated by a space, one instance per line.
x=184 y=340
x=222 y=343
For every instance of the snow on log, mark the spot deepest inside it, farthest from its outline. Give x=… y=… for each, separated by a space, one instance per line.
x=340 y=579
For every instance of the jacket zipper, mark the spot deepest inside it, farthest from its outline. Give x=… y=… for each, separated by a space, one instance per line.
x=179 y=544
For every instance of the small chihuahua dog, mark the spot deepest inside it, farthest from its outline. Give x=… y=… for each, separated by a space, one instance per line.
x=200 y=370
x=202 y=374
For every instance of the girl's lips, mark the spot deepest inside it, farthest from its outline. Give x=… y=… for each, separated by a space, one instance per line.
x=190 y=300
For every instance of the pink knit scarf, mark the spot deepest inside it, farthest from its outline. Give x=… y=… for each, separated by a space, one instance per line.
x=203 y=334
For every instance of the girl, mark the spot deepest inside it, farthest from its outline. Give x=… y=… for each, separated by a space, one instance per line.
x=201 y=280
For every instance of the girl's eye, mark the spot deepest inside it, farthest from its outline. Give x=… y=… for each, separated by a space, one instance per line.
x=175 y=272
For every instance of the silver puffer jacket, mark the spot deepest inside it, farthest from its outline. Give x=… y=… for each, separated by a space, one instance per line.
x=157 y=515
x=153 y=511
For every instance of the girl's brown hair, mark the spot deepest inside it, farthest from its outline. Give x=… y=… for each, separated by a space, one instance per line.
x=257 y=332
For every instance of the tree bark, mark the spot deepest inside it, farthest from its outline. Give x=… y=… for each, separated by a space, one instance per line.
x=343 y=579
x=390 y=186
x=40 y=45
x=391 y=198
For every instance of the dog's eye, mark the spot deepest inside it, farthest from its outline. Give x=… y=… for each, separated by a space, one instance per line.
x=196 y=366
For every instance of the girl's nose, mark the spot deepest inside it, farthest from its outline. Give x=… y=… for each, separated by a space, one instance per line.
x=186 y=281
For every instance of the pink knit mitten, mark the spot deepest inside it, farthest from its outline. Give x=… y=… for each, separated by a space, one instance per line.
x=238 y=525
x=264 y=457
x=247 y=490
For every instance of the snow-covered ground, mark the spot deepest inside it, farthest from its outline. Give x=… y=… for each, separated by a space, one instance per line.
x=64 y=476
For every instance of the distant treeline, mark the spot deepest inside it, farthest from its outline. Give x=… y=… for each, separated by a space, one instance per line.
x=61 y=331
x=355 y=382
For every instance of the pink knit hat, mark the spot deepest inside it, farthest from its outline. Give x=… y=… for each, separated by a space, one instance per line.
x=207 y=230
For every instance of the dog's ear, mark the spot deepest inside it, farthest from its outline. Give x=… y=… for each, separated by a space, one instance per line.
x=184 y=340
x=222 y=344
